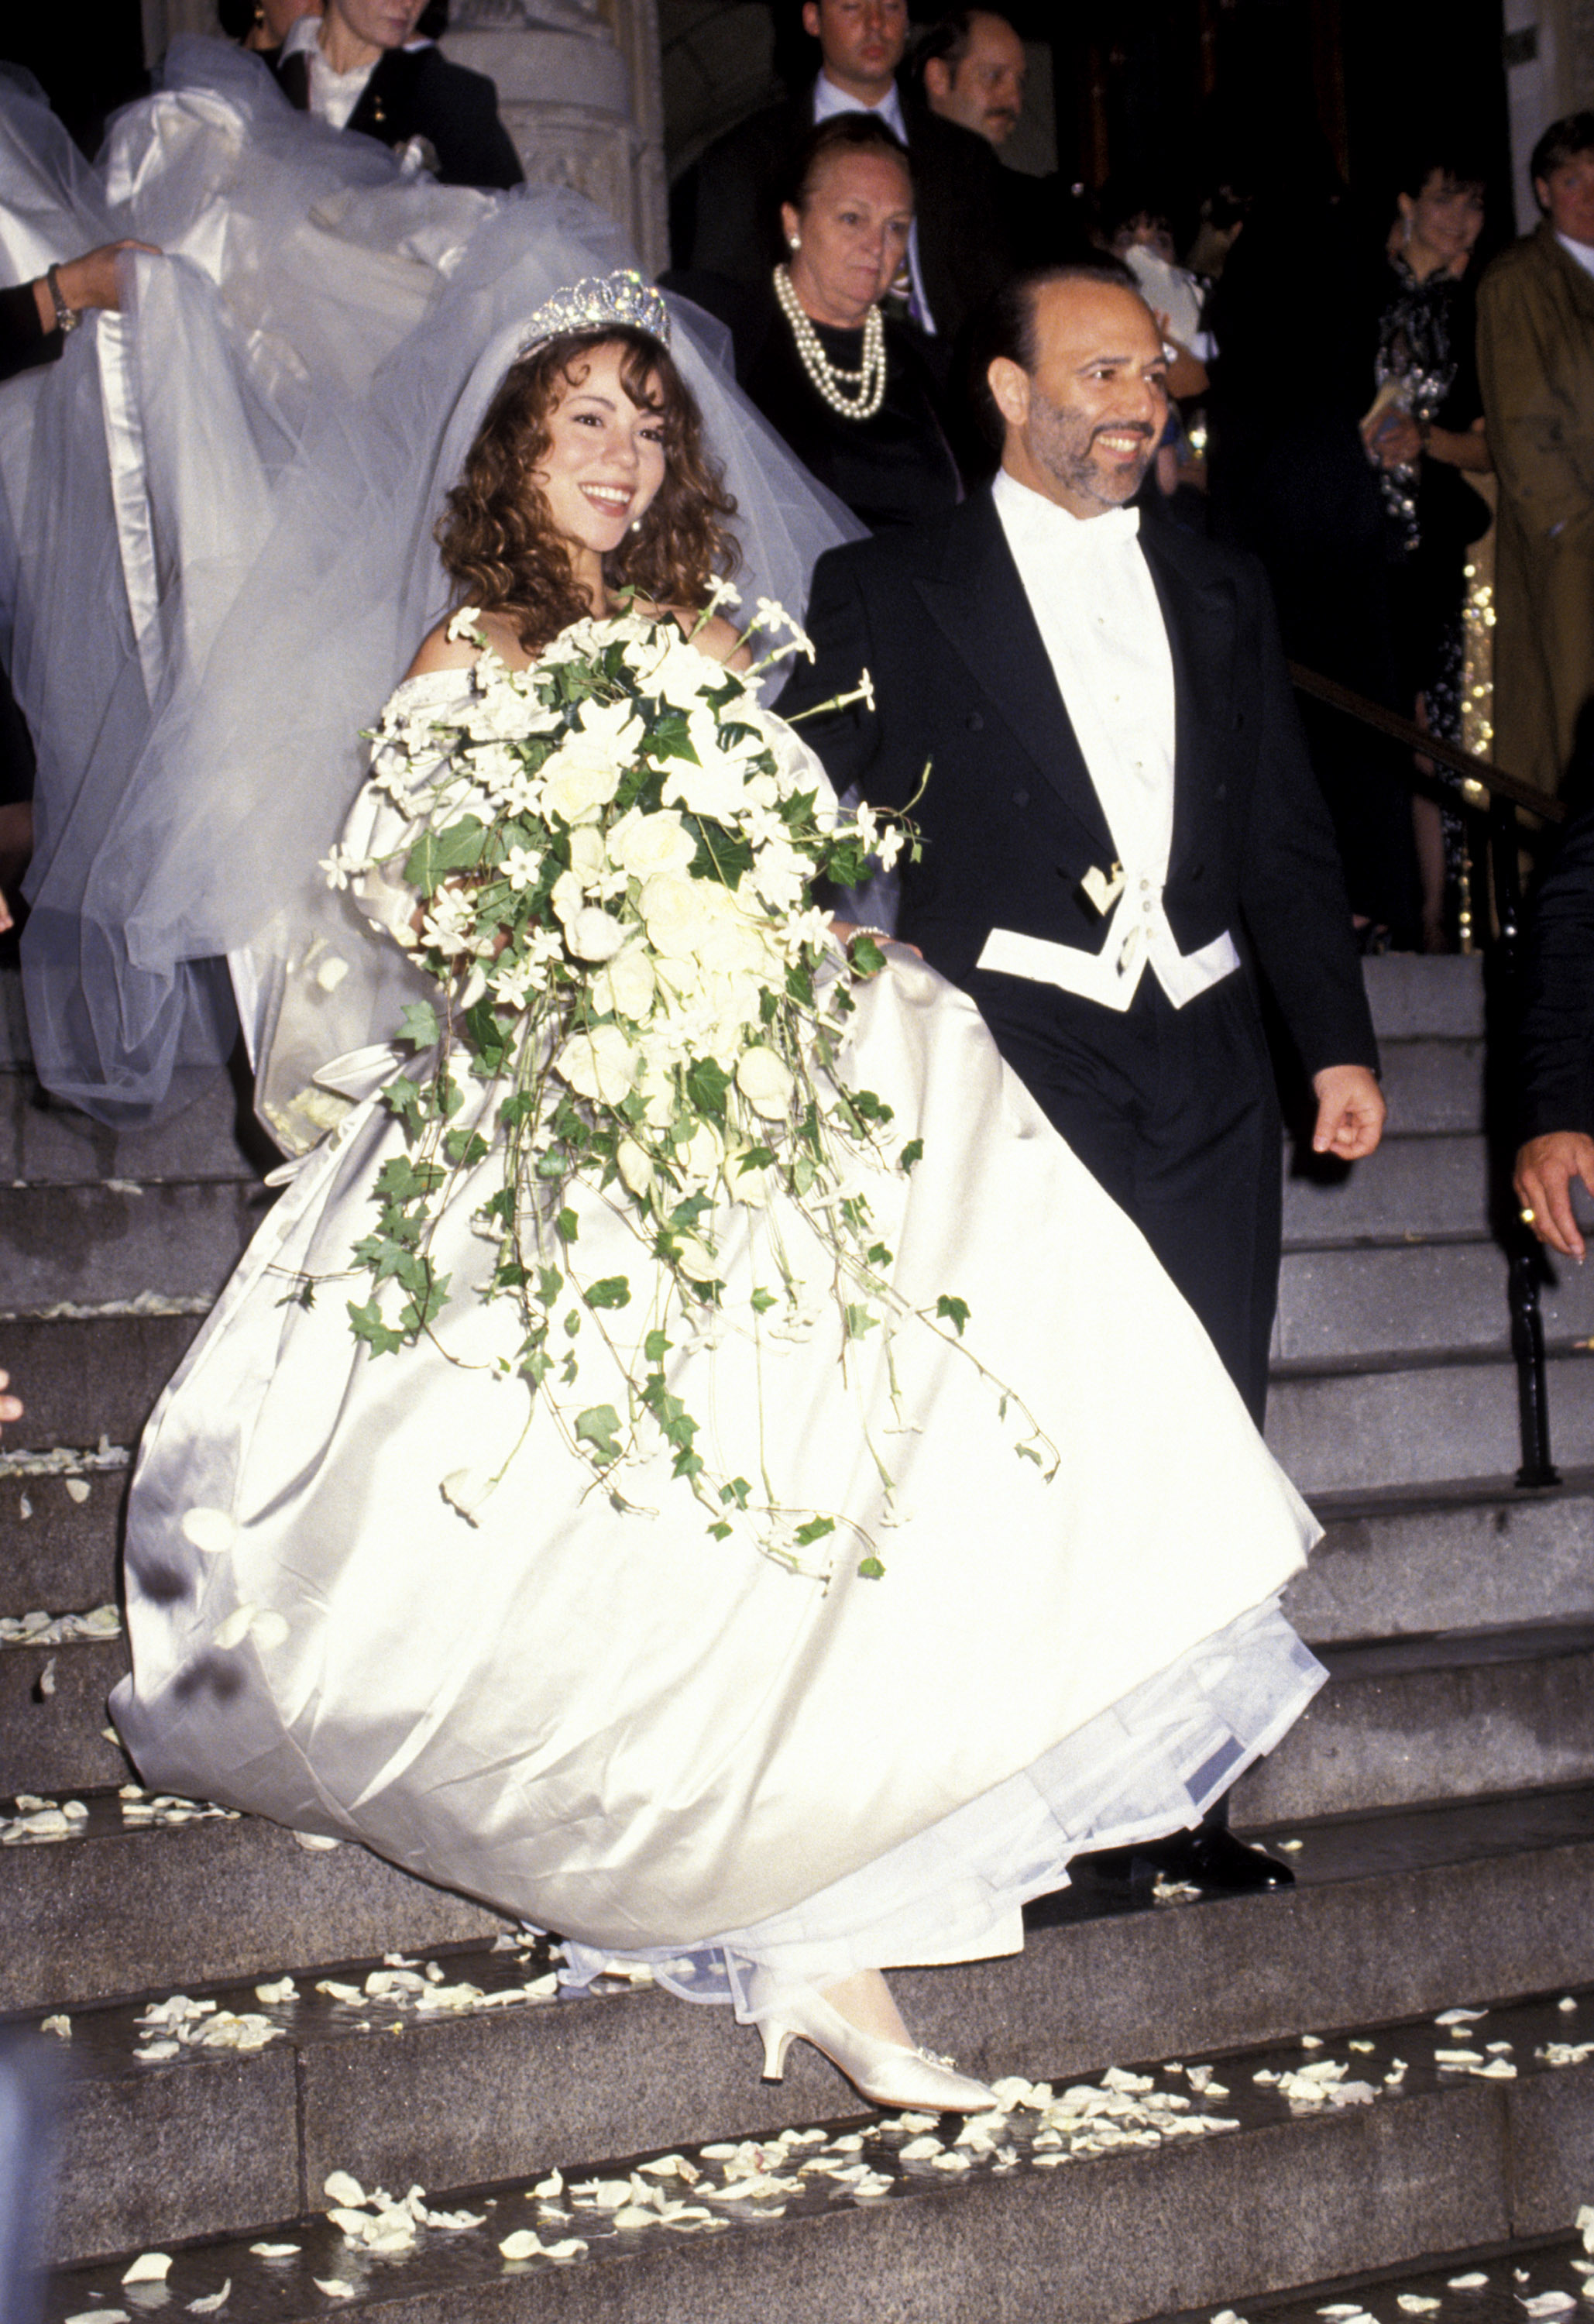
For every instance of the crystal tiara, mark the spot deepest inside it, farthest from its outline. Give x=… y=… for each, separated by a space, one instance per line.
x=597 y=300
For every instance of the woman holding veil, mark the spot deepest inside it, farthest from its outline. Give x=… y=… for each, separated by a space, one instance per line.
x=633 y=1478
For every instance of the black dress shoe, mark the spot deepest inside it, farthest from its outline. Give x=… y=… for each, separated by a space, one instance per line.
x=1210 y=1858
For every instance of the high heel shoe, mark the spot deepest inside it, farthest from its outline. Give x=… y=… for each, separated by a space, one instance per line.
x=887 y=2072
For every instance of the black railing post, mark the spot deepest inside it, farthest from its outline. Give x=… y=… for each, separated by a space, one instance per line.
x=1523 y=1263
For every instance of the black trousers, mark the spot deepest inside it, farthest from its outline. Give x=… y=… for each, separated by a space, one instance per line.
x=1175 y=1112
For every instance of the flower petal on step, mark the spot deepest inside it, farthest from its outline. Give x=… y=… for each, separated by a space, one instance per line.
x=149 y=2267
x=211 y=1531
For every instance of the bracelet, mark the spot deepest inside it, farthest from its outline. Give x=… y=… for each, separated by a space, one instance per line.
x=66 y=318
x=881 y=935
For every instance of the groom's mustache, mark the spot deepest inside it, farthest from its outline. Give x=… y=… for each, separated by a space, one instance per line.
x=1123 y=427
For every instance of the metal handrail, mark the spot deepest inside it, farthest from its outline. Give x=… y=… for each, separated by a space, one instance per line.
x=1503 y=795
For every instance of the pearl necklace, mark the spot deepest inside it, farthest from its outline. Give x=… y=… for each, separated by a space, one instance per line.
x=855 y=394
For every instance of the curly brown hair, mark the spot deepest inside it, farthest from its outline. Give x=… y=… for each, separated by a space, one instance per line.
x=498 y=539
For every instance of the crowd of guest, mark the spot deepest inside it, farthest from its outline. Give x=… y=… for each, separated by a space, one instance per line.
x=851 y=235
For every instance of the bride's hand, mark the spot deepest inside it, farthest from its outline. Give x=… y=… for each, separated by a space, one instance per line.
x=843 y=931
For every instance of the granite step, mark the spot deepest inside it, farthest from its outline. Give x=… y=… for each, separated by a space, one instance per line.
x=45 y=1143
x=92 y=1376
x=1386 y=1731
x=1437 y=1184
x=1486 y=2284
x=1411 y=1297
x=121 y=1239
x=1418 y=997
x=1432 y=1084
x=1491 y=1893
x=1477 y=1556
x=1287 y=2192
x=1340 y=1429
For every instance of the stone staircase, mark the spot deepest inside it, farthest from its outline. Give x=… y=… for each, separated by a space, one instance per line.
x=1438 y=1803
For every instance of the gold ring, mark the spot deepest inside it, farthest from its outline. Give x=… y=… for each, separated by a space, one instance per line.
x=1526 y=1217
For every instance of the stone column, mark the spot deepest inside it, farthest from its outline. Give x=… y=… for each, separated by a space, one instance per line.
x=578 y=89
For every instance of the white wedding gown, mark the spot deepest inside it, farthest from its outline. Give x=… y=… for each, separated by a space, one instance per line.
x=661 y=1745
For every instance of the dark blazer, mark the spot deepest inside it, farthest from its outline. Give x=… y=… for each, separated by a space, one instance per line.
x=1556 y=1049
x=22 y=342
x=1009 y=815
x=419 y=93
x=726 y=220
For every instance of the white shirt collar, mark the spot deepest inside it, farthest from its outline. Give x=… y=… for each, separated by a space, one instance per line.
x=1056 y=530
x=1582 y=253
x=828 y=100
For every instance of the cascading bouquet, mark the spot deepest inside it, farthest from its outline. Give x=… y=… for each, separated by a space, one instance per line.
x=613 y=864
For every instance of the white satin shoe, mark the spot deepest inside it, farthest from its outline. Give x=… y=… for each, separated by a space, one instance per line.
x=889 y=2074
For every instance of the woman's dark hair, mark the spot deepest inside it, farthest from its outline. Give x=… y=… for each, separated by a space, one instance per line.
x=843 y=132
x=1450 y=158
x=1562 y=142
x=237 y=18
x=1007 y=323
x=498 y=539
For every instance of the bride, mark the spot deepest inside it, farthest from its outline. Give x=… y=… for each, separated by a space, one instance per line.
x=734 y=1749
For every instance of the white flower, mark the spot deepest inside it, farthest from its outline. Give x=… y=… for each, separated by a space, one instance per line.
x=676 y=913
x=646 y=844
x=568 y=896
x=587 y=857
x=594 y=934
x=513 y=984
x=889 y=847
x=577 y=784
x=466 y=624
x=520 y=868
x=465 y=1489
x=599 y=1063
x=765 y=1081
x=495 y=766
x=720 y=593
x=625 y=987
x=342 y=863
x=809 y=928
x=772 y=617
x=449 y=923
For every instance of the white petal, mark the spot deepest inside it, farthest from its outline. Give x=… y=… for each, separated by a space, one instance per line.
x=149 y=2267
x=212 y=2301
x=522 y=2244
x=343 y=2189
x=333 y=2287
x=269 y=1630
x=211 y=1531
x=235 y=1628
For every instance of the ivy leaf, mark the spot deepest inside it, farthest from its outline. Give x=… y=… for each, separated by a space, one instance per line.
x=613 y=1291
x=720 y=1531
x=878 y=1255
x=566 y=1226
x=369 y=1325
x=871 y=1569
x=955 y=1310
x=466 y=1147
x=859 y=1321
x=599 y=1426
x=405 y=1181
x=867 y=959
x=435 y=854
x=656 y=1347
x=914 y=1151
x=737 y=1490
x=419 y=1022
x=549 y=1283
x=706 y=1083
x=814 y=1530
x=762 y=1301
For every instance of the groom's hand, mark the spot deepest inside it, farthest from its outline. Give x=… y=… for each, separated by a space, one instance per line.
x=1350 y=1112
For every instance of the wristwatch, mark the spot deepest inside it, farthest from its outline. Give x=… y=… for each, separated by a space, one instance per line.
x=66 y=318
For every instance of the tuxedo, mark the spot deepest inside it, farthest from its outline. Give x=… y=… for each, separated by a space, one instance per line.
x=1173 y=1108
x=1555 y=1045
x=419 y=93
x=724 y=213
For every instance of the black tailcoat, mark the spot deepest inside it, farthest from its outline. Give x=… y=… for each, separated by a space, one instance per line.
x=1012 y=823
x=420 y=93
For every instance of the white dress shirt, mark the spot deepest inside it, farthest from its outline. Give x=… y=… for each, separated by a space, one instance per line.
x=1582 y=253
x=333 y=94
x=828 y=100
x=1100 y=622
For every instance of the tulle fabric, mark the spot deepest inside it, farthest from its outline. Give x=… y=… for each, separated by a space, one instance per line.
x=244 y=471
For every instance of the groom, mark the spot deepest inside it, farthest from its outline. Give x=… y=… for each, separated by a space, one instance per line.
x=1122 y=832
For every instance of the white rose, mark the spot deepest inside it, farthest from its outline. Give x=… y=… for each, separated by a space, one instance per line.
x=586 y=854
x=594 y=934
x=647 y=845
x=567 y=896
x=696 y=1261
x=611 y=730
x=677 y=913
x=764 y=1082
x=597 y=1063
x=626 y=986
x=578 y=783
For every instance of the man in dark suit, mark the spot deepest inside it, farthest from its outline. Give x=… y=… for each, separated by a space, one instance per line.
x=352 y=67
x=724 y=214
x=1555 y=1047
x=1120 y=825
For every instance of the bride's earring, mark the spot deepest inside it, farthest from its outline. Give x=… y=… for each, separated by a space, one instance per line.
x=794 y=244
